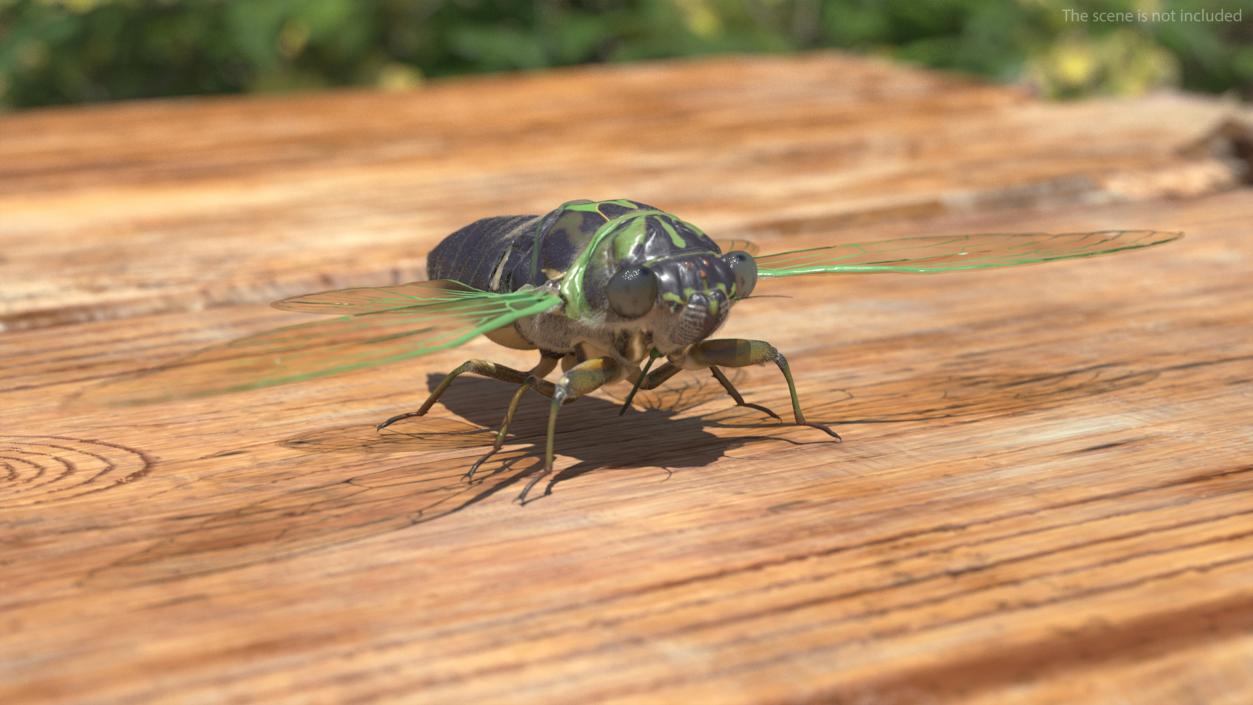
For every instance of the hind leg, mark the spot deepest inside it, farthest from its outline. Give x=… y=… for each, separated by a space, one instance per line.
x=479 y=367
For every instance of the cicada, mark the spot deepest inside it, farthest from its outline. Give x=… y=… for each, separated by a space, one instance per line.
x=602 y=288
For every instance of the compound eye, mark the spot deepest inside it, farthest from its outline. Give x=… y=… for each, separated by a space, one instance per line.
x=632 y=292
x=745 y=269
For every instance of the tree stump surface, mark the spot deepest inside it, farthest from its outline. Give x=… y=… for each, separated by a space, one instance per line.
x=1044 y=495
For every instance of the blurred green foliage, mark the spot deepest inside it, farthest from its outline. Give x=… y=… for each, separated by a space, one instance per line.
x=71 y=51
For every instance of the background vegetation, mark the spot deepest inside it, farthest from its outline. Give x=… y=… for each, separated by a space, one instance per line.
x=72 y=51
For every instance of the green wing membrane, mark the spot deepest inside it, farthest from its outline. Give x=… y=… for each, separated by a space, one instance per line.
x=928 y=255
x=384 y=325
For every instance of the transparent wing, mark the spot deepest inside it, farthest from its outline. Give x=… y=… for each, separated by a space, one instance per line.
x=734 y=244
x=950 y=253
x=370 y=299
x=342 y=344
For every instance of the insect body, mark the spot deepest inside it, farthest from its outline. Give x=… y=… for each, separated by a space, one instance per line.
x=631 y=277
x=600 y=287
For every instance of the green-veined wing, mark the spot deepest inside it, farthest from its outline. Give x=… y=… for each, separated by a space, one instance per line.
x=386 y=324
x=926 y=255
x=440 y=292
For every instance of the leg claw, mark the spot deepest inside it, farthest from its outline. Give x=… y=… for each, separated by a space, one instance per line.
x=763 y=410
x=824 y=428
x=469 y=474
x=398 y=417
x=521 y=498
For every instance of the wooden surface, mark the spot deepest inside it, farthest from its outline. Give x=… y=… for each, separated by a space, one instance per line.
x=1044 y=496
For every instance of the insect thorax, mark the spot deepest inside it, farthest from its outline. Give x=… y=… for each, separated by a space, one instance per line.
x=575 y=249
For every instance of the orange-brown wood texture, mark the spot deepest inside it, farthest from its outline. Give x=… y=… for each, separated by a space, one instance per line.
x=1045 y=493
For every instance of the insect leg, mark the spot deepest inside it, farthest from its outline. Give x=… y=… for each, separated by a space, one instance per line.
x=649 y=380
x=732 y=352
x=626 y=403
x=735 y=394
x=658 y=377
x=546 y=365
x=581 y=379
x=480 y=367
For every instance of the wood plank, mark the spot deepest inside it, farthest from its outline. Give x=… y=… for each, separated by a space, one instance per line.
x=1043 y=497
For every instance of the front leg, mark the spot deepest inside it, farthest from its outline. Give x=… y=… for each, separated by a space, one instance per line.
x=583 y=378
x=732 y=352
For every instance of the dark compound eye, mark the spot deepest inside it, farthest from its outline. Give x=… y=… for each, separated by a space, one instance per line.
x=632 y=292
x=745 y=269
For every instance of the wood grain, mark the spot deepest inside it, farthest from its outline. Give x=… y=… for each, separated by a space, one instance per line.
x=1044 y=495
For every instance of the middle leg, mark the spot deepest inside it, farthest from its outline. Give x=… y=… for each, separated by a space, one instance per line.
x=583 y=378
x=534 y=380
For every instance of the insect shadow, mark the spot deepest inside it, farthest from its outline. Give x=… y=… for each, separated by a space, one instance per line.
x=653 y=432
x=657 y=432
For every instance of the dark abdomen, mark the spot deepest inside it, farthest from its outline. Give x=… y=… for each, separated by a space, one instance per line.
x=476 y=254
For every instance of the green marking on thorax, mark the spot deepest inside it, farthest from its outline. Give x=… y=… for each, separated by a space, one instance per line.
x=674 y=234
x=589 y=207
x=572 y=283
x=672 y=297
x=594 y=206
x=581 y=206
x=630 y=236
